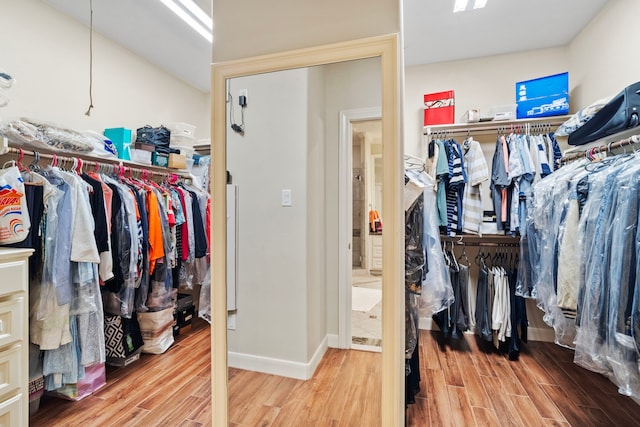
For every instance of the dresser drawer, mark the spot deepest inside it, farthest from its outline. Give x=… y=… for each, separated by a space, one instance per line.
x=377 y=252
x=11 y=370
x=11 y=412
x=376 y=264
x=11 y=320
x=14 y=276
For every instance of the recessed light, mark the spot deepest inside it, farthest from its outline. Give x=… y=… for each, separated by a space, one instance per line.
x=460 y=6
x=187 y=18
x=479 y=4
x=201 y=15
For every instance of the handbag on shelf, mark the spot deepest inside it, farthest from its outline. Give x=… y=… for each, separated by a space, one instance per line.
x=159 y=136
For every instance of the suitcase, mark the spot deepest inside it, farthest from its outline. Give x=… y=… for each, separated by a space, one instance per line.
x=621 y=113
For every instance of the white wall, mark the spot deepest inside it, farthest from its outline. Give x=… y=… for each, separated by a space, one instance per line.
x=316 y=227
x=478 y=83
x=247 y=28
x=272 y=244
x=48 y=54
x=604 y=57
x=287 y=294
x=349 y=85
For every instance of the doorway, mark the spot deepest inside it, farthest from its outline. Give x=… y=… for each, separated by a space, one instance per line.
x=366 y=240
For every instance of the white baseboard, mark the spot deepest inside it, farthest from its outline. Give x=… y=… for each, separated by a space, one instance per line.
x=317 y=357
x=544 y=334
x=280 y=367
x=333 y=341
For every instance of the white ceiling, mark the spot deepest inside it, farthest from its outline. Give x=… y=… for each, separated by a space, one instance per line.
x=149 y=29
x=432 y=32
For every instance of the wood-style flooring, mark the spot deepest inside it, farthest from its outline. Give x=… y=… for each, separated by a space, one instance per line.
x=463 y=384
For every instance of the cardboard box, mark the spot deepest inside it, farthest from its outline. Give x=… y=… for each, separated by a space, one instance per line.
x=177 y=161
x=185 y=316
x=144 y=146
x=543 y=97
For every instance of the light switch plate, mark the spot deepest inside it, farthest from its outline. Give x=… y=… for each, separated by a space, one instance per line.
x=286 y=198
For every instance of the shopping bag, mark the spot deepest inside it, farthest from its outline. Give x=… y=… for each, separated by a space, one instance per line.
x=14 y=214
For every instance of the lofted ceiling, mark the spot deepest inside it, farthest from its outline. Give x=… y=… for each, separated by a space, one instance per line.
x=432 y=32
x=149 y=29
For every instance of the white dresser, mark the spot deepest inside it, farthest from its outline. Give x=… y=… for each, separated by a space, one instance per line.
x=14 y=337
x=375 y=252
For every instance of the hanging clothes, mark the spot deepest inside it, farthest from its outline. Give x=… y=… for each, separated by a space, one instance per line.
x=587 y=258
x=477 y=172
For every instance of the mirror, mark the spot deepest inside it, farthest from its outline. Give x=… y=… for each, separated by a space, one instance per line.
x=392 y=380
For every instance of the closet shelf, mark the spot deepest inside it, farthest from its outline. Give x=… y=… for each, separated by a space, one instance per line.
x=204 y=149
x=484 y=240
x=88 y=160
x=493 y=126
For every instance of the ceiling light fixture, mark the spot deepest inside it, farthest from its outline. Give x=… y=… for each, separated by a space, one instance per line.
x=188 y=19
x=460 y=6
x=479 y=4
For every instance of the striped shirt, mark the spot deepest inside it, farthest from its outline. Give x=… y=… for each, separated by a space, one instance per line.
x=477 y=172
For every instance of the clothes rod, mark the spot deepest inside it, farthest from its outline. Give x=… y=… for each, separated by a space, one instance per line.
x=525 y=125
x=487 y=244
x=494 y=240
x=92 y=161
x=634 y=139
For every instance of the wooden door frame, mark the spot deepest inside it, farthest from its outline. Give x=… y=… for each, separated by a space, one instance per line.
x=345 y=222
x=388 y=48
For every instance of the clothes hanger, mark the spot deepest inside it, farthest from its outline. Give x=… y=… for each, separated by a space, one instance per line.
x=464 y=254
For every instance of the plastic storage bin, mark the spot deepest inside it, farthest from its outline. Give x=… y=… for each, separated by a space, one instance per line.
x=182 y=129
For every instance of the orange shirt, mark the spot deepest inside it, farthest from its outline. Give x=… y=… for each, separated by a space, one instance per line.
x=156 y=248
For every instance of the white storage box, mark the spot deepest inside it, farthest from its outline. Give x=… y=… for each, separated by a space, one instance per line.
x=141 y=156
x=471 y=116
x=182 y=129
x=503 y=112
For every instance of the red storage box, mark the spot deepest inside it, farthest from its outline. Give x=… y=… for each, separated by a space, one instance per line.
x=439 y=108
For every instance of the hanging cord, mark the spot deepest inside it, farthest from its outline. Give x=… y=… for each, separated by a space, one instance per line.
x=88 y=113
x=238 y=128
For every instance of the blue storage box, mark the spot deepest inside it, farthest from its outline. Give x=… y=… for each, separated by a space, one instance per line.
x=543 y=97
x=121 y=138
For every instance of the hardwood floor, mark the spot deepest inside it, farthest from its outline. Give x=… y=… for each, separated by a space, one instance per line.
x=463 y=384
x=469 y=383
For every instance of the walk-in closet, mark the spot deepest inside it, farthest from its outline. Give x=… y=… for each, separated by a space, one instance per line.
x=182 y=208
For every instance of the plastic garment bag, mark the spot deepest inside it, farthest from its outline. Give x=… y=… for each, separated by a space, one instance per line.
x=621 y=352
x=204 y=307
x=437 y=291
x=544 y=233
x=592 y=233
